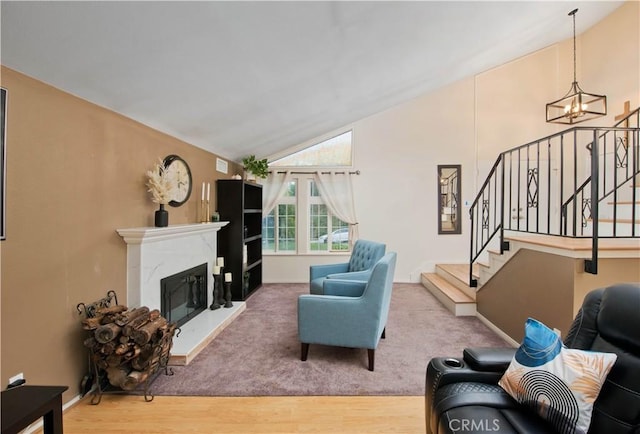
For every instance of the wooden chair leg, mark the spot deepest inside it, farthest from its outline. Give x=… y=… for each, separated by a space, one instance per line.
x=304 y=352
x=371 y=354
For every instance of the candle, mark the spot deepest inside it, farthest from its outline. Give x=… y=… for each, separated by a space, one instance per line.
x=208 y=190
x=203 y=191
x=216 y=269
x=227 y=277
x=220 y=261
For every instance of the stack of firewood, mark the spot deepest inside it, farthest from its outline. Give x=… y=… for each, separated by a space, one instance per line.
x=128 y=344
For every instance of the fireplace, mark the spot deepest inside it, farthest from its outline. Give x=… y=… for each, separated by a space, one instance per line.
x=155 y=253
x=184 y=295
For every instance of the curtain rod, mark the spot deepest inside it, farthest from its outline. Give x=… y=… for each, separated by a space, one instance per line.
x=357 y=172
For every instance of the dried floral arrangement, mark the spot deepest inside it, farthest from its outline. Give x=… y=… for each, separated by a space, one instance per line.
x=160 y=183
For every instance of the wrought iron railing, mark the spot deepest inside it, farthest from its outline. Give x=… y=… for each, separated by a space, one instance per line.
x=554 y=186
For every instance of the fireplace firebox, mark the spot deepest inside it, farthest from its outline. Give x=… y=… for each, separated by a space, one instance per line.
x=184 y=294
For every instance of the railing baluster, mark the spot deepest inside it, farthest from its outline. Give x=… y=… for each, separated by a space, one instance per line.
x=518 y=207
x=563 y=208
x=495 y=203
x=502 y=207
x=575 y=178
x=511 y=189
x=526 y=221
x=538 y=187
x=549 y=186
x=615 y=178
x=634 y=180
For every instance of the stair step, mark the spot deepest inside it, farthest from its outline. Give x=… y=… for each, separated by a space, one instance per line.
x=456 y=301
x=605 y=220
x=623 y=210
x=459 y=271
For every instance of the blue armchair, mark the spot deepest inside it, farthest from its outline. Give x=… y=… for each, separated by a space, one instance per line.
x=343 y=320
x=363 y=257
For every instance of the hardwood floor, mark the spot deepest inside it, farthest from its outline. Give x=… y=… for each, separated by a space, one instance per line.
x=287 y=414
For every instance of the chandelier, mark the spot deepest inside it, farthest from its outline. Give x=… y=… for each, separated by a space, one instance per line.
x=577 y=105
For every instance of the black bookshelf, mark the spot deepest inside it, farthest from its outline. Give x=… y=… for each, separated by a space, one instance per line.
x=240 y=203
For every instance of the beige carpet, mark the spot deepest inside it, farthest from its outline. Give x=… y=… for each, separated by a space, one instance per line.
x=259 y=353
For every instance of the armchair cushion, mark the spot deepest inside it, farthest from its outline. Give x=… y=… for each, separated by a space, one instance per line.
x=322 y=271
x=558 y=383
x=364 y=256
x=345 y=288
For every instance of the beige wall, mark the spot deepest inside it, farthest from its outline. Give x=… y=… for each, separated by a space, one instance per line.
x=547 y=287
x=520 y=290
x=610 y=271
x=611 y=48
x=76 y=173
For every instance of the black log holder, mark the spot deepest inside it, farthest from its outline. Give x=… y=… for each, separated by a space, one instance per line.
x=97 y=377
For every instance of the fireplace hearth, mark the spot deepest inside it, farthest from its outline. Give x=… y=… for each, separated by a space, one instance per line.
x=184 y=295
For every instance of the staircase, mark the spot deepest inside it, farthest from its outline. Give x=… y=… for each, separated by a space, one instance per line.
x=449 y=283
x=543 y=179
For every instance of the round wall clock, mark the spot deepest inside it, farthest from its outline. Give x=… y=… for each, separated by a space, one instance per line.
x=179 y=170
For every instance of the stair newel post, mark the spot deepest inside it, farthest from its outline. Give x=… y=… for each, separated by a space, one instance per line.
x=591 y=266
x=473 y=283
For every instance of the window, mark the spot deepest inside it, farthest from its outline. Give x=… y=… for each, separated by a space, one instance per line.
x=279 y=226
x=301 y=222
x=333 y=152
x=326 y=232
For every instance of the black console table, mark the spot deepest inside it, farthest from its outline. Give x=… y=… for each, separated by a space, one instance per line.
x=24 y=405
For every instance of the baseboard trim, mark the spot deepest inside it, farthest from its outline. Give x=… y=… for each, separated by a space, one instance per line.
x=497 y=330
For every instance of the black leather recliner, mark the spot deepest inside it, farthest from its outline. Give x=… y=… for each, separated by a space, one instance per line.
x=462 y=394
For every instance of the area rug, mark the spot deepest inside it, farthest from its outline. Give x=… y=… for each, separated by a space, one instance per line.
x=259 y=353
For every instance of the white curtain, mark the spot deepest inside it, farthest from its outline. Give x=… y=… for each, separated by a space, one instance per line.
x=272 y=189
x=337 y=193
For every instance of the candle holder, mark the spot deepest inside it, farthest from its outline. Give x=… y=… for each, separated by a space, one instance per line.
x=204 y=211
x=227 y=294
x=217 y=289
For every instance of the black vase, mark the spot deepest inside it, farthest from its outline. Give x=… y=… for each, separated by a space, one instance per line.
x=162 y=217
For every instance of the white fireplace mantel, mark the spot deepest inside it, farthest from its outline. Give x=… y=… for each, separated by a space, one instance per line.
x=154 y=253
x=151 y=234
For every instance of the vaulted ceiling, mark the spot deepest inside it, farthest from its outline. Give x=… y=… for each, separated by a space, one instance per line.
x=239 y=78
